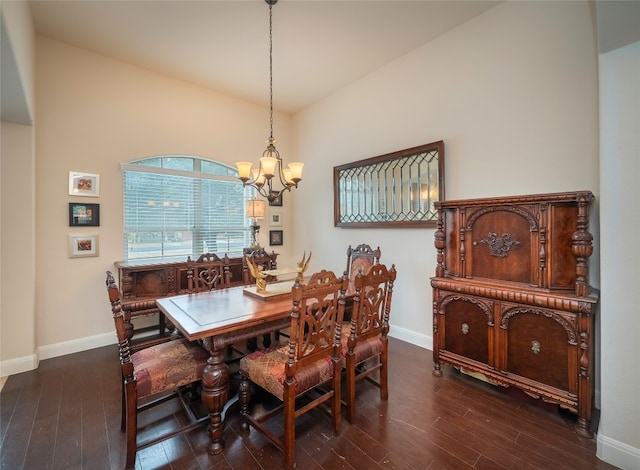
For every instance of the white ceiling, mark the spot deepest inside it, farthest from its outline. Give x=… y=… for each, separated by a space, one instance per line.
x=318 y=46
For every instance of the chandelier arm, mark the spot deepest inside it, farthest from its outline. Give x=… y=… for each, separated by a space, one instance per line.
x=283 y=180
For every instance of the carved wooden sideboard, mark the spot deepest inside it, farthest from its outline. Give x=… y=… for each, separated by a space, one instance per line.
x=511 y=295
x=141 y=282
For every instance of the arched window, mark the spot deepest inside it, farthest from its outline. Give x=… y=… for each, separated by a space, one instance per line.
x=179 y=205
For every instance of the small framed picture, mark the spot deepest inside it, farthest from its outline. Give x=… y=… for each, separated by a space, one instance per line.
x=81 y=246
x=277 y=201
x=84 y=184
x=84 y=215
x=275 y=237
x=275 y=219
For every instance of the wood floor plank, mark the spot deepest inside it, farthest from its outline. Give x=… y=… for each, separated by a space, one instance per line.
x=501 y=451
x=16 y=442
x=366 y=443
x=66 y=415
x=41 y=444
x=68 y=450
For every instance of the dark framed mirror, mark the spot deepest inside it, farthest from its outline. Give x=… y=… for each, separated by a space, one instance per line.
x=398 y=189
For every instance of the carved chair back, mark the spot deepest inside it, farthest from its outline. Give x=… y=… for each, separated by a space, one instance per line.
x=316 y=319
x=372 y=303
x=208 y=272
x=207 y=258
x=360 y=259
x=259 y=257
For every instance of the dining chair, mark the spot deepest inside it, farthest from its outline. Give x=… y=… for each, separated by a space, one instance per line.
x=361 y=258
x=310 y=362
x=365 y=335
x=259 y=257
x=152 y=376
x=208 y=272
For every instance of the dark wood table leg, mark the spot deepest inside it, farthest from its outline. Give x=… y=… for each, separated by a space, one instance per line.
x=215 y=377
x=215 y=392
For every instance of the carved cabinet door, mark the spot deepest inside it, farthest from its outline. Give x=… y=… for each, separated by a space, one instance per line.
x=502 y=245
x=540 y=345
x=466 y=326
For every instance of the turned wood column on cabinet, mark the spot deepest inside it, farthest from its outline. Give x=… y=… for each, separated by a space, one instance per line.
x=511 y=295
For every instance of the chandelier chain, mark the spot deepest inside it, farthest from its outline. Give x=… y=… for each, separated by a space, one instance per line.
x=271 y=70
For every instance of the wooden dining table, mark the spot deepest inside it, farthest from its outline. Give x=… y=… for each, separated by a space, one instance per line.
x=219 y=318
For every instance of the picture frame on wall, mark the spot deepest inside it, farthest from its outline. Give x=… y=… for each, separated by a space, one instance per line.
x=84 y=215
x=275 y=237
x=277 y=201
x=275 y=219
x=84 y=184
x=83 y=245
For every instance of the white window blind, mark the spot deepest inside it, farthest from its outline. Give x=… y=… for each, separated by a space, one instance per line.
x=173 y=209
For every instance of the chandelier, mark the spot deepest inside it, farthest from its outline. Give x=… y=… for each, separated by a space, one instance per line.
x=270 y=179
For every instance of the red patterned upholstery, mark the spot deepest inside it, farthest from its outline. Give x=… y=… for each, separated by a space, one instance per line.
x=364 y=349
x=168 y=366
x=266 y=369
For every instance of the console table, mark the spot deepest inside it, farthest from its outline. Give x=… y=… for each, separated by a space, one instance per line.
x=142 y=282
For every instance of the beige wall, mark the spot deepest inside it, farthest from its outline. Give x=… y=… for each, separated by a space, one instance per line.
x=619 y=437
x=513 y=94
x=93 y=114
x=18 y=349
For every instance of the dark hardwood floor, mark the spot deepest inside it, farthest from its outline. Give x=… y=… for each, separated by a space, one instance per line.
x=66 y=415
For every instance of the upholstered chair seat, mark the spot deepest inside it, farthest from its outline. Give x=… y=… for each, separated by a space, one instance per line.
x=267 y=370
x=365 y=349
x=168 y=366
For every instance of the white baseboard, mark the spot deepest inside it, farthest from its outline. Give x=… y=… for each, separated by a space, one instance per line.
x=27 y=363
x=617 y=453
x=411 y=336
x=19 y=365
x=76 y=345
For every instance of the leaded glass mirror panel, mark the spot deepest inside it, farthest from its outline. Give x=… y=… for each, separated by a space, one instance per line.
x=393 y=190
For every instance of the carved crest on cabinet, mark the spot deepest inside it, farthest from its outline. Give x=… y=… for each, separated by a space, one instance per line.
x=499 y=245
